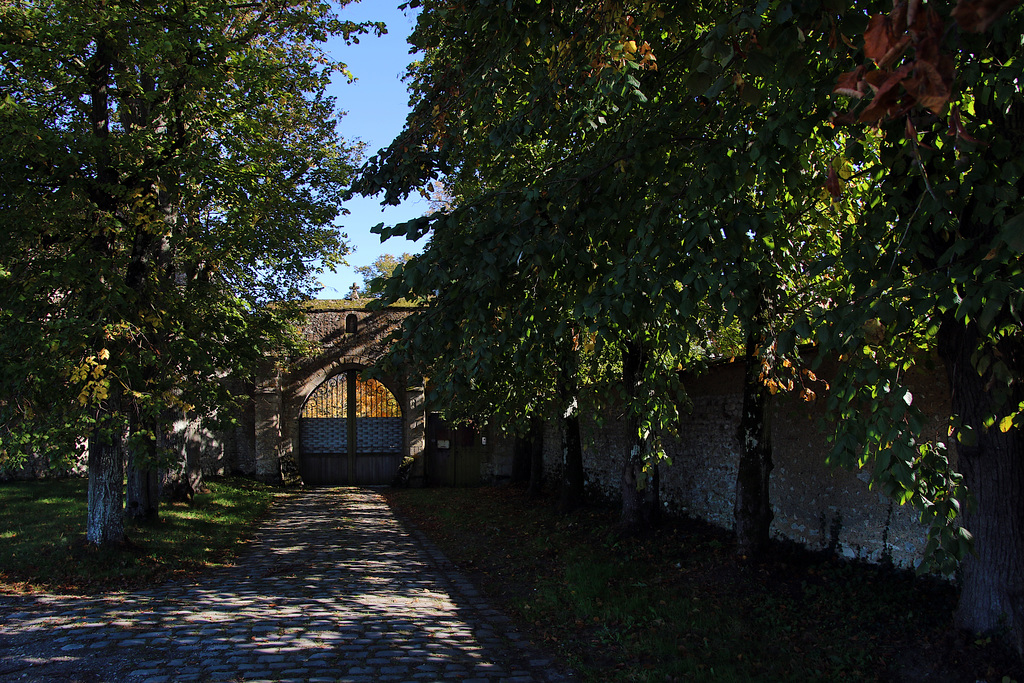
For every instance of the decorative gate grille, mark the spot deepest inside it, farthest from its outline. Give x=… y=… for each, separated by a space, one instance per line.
x=344 y=416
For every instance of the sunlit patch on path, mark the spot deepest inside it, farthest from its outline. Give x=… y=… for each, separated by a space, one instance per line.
x=334 y=589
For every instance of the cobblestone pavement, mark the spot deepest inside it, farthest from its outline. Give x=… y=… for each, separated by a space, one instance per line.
x=334 y=589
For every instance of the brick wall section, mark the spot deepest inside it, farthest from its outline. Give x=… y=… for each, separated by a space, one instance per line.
x=330 y=434
x=379 y=435
x=324 y=434
x=814 y=503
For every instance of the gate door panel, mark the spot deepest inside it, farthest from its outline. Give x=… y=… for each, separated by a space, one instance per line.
x=348 y=416
x=378 y=428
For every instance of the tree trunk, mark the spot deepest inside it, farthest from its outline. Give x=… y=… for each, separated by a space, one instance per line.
x=181 y=480
x=143 y=493
x=652 y=496
x=143 y=487
x=571 y=494
x=639 y=483
x=992 y=593
x=522 y=452
x=536 y=458
x=571 y=486
x=752 y=512
x=641 y=496
x=105 y=520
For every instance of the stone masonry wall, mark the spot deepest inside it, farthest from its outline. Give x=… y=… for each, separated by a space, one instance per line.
x=815 y=504
x=339 y=350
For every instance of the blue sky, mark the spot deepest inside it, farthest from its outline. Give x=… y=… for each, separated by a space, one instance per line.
x=376 y=106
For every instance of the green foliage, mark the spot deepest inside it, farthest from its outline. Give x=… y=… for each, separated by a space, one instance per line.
x=936 y=270
x=602 y=188
x=656 y=174
x=375 y=274
x=170 y=171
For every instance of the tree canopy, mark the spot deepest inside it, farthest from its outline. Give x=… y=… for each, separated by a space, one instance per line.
x=172 y=173
x=656 y=174
x=377 y=273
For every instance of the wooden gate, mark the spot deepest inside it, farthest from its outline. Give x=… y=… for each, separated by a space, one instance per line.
x=350 y=432
x=453 y=457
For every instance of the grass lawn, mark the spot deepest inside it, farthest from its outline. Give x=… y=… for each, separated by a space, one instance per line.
x=42 y=537
x=679 y=606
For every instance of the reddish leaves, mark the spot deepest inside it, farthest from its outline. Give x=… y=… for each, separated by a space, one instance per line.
x=977 y=15
x=925 y=78
x=832 y=184
x=883 y=43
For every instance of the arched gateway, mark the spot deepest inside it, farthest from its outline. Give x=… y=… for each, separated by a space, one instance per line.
x=320 y=421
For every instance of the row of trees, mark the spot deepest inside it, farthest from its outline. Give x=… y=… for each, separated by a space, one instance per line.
x=171 y=176
x=640 y=187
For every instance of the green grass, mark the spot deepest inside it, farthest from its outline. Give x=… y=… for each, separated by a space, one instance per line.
x=680 y=606
x=42 y=536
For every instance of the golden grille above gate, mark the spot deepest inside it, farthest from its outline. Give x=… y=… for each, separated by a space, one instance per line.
x=372 y=399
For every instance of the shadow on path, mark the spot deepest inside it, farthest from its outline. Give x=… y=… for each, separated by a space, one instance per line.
x=334 y=589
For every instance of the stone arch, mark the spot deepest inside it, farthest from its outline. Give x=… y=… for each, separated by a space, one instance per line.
x=348 y=444
x=279 y=399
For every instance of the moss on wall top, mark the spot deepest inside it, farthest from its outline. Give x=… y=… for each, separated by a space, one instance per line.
x=352 y=304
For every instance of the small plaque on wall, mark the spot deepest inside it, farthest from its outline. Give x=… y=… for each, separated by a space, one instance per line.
x=443 y=443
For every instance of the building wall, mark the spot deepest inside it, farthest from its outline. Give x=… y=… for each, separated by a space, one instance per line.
x=280 y=397
x=815 y=504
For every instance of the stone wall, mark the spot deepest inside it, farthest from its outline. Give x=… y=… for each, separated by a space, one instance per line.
x=346 y=338
x=815 y=504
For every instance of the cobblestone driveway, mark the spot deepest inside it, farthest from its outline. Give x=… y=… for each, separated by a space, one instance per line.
x=334 y=589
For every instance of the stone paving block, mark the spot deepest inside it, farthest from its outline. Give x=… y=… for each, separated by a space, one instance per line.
x=394 y=670
x=352 y=601
x=146 y=672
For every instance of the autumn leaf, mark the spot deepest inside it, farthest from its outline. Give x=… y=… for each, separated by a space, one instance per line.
x=956 y=127
x=832 y=184
x=911 y=131
x=886 y=101
x=931 y=84
x=882 y=44
x=851 y=83
x=878 y=39
x=976 y=16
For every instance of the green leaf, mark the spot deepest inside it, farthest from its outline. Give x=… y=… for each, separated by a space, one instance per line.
x=1012 y=233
